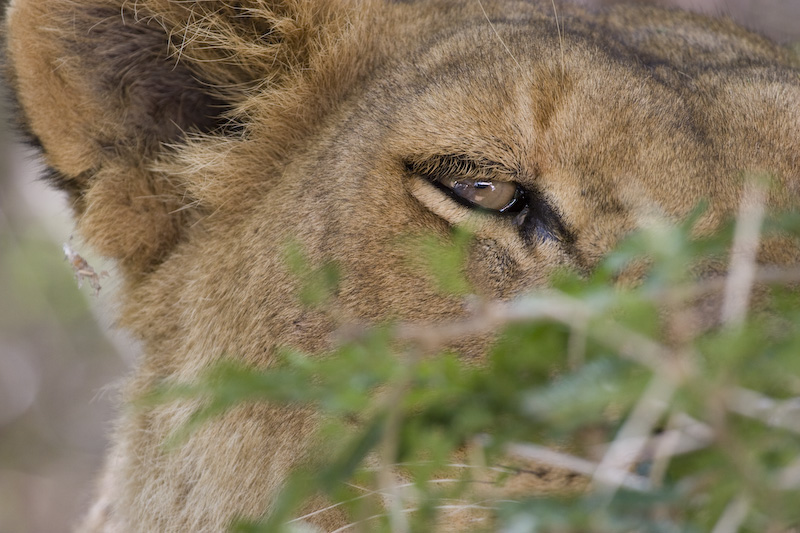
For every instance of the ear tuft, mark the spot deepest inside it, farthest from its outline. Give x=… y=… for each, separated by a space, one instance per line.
x=245 y=41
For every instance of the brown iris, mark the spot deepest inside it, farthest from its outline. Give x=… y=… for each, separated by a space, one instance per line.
x=496 y=195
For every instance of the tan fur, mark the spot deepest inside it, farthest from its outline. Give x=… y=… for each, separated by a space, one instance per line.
x=197 y=138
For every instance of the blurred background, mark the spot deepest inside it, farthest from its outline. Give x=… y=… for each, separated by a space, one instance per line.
x=779 y=19
x=61 y=360
x=58 y=367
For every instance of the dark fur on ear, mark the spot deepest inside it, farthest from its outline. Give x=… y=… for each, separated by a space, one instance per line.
x=157 y=96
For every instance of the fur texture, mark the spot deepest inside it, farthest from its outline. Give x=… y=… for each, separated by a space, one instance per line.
x=197 y=138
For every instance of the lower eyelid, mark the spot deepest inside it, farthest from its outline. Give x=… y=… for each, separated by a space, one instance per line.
x=480 y=224
x=435 y=198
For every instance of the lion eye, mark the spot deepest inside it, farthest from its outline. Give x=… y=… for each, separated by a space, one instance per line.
x=496 y=195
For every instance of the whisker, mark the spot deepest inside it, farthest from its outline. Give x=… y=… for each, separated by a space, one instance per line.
x=486 y=15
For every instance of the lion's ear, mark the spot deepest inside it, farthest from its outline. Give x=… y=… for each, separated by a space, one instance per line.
x=107 y=87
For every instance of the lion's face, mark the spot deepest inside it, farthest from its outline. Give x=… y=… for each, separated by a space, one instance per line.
x=550 y=153
x=199 y=140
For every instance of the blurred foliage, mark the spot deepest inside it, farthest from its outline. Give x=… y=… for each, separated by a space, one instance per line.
x=576 y=379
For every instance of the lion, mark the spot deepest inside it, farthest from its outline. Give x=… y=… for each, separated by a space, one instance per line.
x=194 y=139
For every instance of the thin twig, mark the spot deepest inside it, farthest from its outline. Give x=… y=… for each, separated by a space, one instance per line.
x=768 y=274
x=387 y=479
x=412 y=510
x=664 y=449
x=540 y=454
x=733 y=515
x=684 y=435
x=550 y=305
x=620 y=456
x=746 y=239
x=783 y=414
x=789 y=477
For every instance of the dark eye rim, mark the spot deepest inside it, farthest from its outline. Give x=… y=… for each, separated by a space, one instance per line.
x=517 y=204
x=529 y=210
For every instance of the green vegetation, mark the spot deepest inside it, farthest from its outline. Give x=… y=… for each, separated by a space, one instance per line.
x=675 y=426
